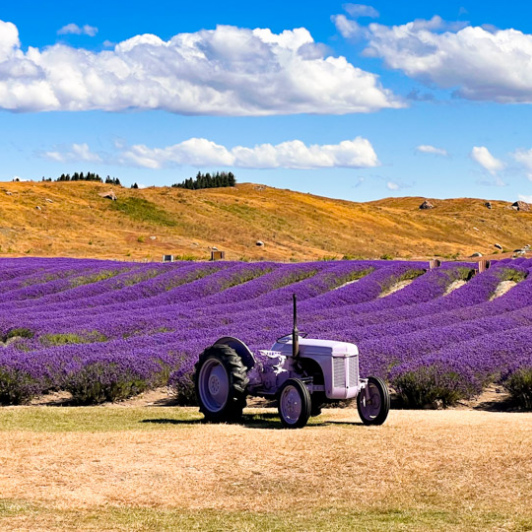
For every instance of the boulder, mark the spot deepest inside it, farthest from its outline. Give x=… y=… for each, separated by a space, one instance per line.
x=498 y=246
x=426 y=205
x=260 y=243
x=487 y=204
x=476 y=255
x=521 y=206
x=108 y=195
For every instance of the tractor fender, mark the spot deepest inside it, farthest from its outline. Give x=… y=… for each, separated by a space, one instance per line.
x=241 y=349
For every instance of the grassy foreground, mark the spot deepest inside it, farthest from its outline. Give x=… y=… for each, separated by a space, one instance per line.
x=161 y=468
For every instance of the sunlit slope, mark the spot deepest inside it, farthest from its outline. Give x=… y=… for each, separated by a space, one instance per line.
x=72 y=219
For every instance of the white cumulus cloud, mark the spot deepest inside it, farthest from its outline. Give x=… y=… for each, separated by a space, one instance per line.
x=426 y=148
x=392 y=186
x=484 y=158
x=74 y=29
x=225 y=71
x=348 y=28
x=78 y=152
x=356 y=153
x=361 y=10
x=479 y=63
x=524 y=157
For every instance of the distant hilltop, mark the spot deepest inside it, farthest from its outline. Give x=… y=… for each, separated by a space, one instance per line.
x=249 y=222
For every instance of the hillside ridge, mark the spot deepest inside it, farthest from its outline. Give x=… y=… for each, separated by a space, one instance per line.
x=72 y=219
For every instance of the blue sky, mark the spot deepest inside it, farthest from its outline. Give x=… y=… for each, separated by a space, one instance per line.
x=354 y=101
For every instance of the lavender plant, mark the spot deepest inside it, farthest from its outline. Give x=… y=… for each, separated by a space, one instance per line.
x=107 y=330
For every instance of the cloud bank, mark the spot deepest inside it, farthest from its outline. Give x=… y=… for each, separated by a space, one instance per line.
x=199 y=152
x=226 y=71
x=479 y=63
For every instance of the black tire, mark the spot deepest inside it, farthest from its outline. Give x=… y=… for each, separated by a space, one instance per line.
x=220 y=382
x=375 y=411
x=294 y=404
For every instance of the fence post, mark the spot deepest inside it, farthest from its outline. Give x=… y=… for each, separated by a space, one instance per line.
x=483 y=265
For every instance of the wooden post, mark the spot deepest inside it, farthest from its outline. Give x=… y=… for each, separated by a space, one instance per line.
x=168 y=258
x=217 y=255
x=434 y=263
x=483 y=265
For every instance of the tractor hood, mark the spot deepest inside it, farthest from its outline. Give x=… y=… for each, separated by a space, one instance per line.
x=312 y=347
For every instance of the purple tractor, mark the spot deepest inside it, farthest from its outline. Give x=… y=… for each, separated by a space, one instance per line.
x=301 y=373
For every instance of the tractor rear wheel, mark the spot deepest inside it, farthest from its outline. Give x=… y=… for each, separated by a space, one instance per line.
x=220 y=381
x=373 y=410
x=294 y=404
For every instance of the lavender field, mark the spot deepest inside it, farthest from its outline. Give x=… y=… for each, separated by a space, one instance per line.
x=105 y=330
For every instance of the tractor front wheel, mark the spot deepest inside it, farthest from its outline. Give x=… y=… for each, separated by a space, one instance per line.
x=294 y=404
x=220 y=381
x=374 y=402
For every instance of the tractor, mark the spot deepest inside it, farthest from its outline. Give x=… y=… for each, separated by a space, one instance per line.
x=303 y=374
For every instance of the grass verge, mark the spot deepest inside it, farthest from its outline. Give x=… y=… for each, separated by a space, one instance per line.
x=161 y=468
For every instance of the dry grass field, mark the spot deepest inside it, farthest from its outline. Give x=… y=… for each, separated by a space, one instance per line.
x=161 y=468
x=72 y=220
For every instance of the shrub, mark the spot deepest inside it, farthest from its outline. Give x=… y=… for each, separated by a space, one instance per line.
x=431 y=386
x=182 y=384
x=19 y=332
x=17 y=387
x=100 y=382
x=519 y=386
x=113 y=377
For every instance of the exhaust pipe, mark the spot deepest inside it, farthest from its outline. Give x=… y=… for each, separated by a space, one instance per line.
x=295 y=331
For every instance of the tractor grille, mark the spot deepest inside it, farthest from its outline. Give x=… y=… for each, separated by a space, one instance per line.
x=353 y=371
x=338 y=372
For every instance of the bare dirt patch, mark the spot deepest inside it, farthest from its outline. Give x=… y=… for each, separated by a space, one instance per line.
x=396 y=287
x=347 y=284
x=502 y=288
x=494 y=398
x=158 y=397
x=455 y=285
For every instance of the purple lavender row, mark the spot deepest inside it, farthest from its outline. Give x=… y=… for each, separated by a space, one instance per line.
x=138 y=310
x=126 y=287
x=477 y=291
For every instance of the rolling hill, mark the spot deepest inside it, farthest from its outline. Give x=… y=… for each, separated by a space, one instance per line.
x=72 y=219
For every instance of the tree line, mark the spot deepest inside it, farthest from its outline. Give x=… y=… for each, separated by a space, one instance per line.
x=89 y=176
x=219 y=179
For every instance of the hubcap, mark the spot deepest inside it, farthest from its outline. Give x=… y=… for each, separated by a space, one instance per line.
x=371 y=408
x=291 y=404
x=213 y=384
